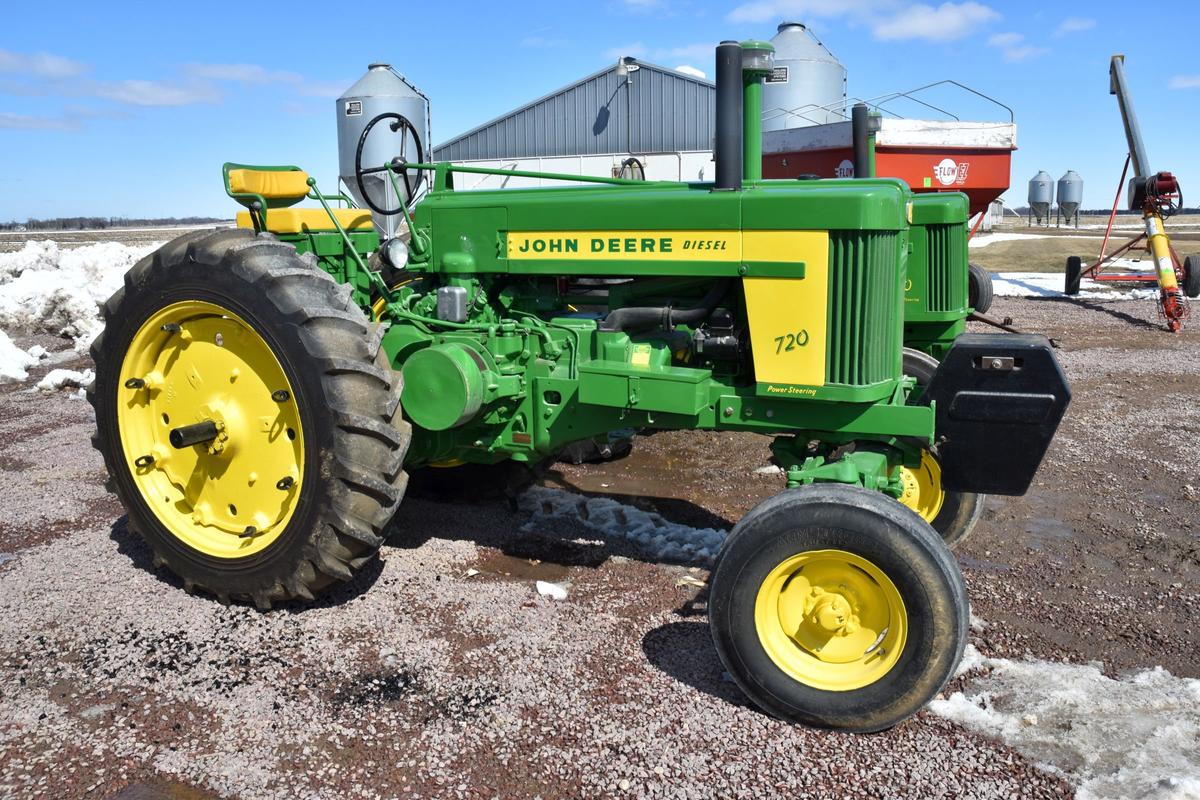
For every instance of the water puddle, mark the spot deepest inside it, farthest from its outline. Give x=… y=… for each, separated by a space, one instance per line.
x=503 y=565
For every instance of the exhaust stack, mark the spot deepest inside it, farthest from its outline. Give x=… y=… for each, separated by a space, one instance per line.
x=727 y=150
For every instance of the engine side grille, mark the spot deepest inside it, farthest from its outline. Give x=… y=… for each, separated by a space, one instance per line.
x=863 y=345
x=947 y=264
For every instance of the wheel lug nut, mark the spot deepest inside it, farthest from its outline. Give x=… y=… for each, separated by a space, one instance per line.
x=171 y=327
x=285 y=483
x=135 y=383
x=280 y=395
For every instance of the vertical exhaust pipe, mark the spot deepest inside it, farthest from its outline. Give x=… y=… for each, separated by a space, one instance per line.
x=727 y=150
x=860 y=132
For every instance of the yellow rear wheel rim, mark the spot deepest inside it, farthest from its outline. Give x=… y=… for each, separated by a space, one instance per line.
x=194 y=361
x=923 y=491
x=831 y=620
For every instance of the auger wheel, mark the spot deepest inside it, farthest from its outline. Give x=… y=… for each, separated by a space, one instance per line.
x=248 y=418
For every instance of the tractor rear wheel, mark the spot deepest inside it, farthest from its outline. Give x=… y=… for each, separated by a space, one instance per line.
x=952 y=514
x=1191 y=276
x=1074 y=275
x=979 y=288
x=248 y=418
x=831 y=605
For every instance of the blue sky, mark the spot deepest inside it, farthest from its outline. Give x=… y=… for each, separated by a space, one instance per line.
x=129 y=109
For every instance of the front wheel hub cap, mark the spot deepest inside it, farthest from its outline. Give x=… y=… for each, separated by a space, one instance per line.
x=831 y=619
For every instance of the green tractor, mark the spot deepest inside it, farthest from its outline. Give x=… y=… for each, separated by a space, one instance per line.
x=263 y=392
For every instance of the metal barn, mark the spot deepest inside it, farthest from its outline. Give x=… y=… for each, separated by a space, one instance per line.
x=631 y=119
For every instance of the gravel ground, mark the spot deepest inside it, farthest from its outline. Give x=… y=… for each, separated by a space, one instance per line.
x=441 y=672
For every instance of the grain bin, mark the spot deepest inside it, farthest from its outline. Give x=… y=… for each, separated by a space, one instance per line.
x=403 y=131
x=1041 y=196
x=808 y=84
x=1070 y=195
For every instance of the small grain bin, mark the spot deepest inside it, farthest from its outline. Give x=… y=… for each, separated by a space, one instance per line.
x=394 y=116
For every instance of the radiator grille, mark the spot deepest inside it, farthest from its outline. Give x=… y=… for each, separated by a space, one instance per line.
x=863 y=345
x=947 y=265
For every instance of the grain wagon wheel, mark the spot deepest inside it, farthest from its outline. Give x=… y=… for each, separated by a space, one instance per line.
x=832 y=605
x=248 y=418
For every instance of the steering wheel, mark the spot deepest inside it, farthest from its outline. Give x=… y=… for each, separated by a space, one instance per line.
x=401 y=125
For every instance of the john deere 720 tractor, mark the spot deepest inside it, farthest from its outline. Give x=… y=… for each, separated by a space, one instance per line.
x=262 y=391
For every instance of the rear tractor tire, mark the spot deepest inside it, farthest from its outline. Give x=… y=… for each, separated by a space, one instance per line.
x=831 y=605
x=952 y=514
x=248 y=418
x=979 y=288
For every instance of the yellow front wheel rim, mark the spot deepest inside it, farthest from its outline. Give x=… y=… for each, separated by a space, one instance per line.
x=232 y=496
x=923 y=491
x=831 y=620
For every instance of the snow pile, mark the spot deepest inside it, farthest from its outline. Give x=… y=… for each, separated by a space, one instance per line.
x=660 y=538
x=59 y=378
x=14 y=361
x=46 y=288
x=1136 y=736
x=984 y=239
x=1050 y=284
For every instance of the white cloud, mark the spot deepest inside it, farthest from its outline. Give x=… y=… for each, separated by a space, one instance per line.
x=1074 y=25
x=1185 y=82
x=945 y=23
x=1004 y=39
x=26 y=122
x=697 y=51
x=327 y=89
x=889 y=20
x=689 y=70
x=240 y=73
x=643 y=6
x=71 y=119
x=775 y=10
x=157 y=93
x=40 y=65
x=1014 y=46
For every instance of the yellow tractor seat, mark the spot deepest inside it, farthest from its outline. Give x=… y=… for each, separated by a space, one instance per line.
x=303 y=220
x=272 y=184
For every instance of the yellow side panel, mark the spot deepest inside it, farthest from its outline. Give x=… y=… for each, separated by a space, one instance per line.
x=788 y=315
x=271 y=184
x=625 y=245
x=301 y=220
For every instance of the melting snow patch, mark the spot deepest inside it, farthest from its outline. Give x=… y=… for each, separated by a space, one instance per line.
x=984 y=239
x=1136 y=736
x=1050 y=284
x=66 y=378
x=658 y=537
x=43 y=287
x=13 y=361
x=552 y=590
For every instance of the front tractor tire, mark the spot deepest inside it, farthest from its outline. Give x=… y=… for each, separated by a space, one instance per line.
x=248 y=418
x=834 y=606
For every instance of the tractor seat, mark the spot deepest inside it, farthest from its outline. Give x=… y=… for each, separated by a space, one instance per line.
x=279 y=188
x=304 y=220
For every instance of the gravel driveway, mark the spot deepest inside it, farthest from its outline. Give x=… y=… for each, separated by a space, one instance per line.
x=442 y=672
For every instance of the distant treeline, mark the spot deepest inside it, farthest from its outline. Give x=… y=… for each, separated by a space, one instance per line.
x=101 y=223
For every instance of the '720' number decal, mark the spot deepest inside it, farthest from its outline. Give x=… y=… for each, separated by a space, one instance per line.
x=790 y=341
